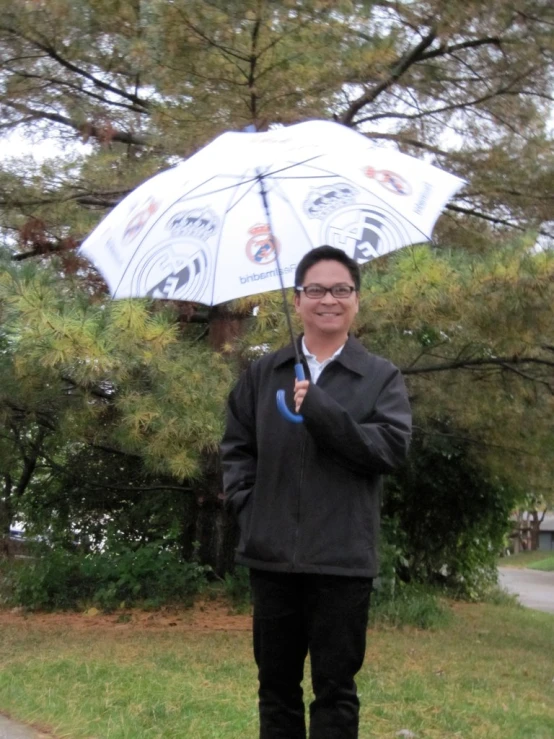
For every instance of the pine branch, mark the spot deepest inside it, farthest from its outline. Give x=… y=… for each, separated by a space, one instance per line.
x=129 y=488
x=401 y=139
x=100 y=199
x=473 y=103
x=478 y=214
x=113 y=450
x=46 y=248
x=85 y=129
x=252 y=65
x=51 y=52
x=411 y=57
x=478 y=363
x=474 y=440
x=138 y=489
x=79 y=90
x=96 y=391
x=445 y=50
x=42 y=417
x=525 y=376
x=227 y=51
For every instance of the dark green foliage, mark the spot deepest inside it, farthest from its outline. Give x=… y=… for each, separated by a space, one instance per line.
x=237 y=587
x=111 y=412
x=410 y=605
x=397 y=603
x=500 y=597
x=120 y=576
x=392 y=559
x=450 y=518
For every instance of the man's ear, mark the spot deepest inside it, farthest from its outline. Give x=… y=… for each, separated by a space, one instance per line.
x=296 y=301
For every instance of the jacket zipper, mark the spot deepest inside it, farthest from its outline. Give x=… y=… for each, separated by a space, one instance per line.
x=301 y=481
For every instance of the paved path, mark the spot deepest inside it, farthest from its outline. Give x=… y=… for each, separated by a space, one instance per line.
x=11 y=730
x=534 y=588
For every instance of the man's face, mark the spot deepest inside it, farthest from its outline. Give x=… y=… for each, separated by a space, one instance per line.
x=327 y=315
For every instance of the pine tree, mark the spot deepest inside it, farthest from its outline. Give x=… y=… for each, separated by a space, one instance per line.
x=142 y=84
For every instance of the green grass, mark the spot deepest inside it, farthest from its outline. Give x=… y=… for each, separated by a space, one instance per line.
x=547 y=565
x=524 y=559
x=489 y=674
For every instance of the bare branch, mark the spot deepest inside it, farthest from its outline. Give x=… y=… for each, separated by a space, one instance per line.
x=473 y=44
x=53 y=54
x=401 y=139
x=88 y=129
x=79 y=90
x=472 y=440
x=410 y=58
x=477 y=363
x=478 y=214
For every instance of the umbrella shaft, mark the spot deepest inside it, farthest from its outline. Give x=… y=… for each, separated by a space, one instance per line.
x=263 y=193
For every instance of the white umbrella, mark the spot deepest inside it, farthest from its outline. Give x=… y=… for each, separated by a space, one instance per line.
x=199 y=231
x=236 y=218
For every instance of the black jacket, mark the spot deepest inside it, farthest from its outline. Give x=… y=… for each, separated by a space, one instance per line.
x=307 y=496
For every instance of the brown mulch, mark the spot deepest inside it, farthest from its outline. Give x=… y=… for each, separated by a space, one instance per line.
x=205 y=615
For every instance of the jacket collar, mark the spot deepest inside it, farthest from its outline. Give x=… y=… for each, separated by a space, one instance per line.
x=353 y=356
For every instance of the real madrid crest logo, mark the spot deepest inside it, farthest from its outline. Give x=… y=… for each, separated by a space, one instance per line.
x=364 y=232
x=139 y=220
x=324 y=200
x=389 y=180
x=200 y=223
x=174 y=270
x=262 y=248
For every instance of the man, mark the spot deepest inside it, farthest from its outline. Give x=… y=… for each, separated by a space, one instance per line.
x=307 y=499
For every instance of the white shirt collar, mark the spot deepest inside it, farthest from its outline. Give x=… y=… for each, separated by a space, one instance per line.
x=315 y=367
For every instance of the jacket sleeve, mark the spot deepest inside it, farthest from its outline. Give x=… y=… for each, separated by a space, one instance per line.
x=377 y=445
x=238 y=447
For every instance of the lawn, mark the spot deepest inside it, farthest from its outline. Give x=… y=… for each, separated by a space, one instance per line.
x=546 y=565
x=524 y=559
x=164 y=675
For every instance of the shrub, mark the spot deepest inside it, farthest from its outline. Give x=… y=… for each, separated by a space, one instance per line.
x=236 y=586
x=411 y=605
x=452 y=515
x=52 y=580
x=500 y=597
x=148 y=575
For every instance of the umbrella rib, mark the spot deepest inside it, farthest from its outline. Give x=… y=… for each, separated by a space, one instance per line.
x=252 y=183
x=243 y=179
x=283 y=196
x=229 y=207
x=374 y=194
x=251 y=180
x=161 y=215
x=144 y=236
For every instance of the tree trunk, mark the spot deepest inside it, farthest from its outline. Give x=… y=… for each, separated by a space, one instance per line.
x=6 y=516
x=224 y=328
x=535 y=520
x=216 y=530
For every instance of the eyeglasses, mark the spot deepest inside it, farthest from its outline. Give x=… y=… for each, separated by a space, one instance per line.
x=341 y=291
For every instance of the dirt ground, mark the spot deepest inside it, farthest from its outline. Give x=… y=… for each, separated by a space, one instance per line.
x=205 y=615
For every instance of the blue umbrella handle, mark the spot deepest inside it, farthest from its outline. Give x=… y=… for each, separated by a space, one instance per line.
x=281 y=403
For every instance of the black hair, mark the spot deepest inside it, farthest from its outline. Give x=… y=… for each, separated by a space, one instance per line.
x=327 y=253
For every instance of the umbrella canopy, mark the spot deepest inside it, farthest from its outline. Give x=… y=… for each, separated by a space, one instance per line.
x=201 y=231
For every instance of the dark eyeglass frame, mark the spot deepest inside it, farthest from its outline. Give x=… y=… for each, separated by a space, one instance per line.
x=339 y=286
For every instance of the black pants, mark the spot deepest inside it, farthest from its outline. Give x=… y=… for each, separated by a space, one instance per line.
x=325 y=615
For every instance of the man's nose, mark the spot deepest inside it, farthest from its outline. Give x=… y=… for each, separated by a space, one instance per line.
x=328 y=298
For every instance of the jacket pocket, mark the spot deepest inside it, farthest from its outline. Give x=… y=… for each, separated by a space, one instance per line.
x=243 y=511
x=239 y=501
